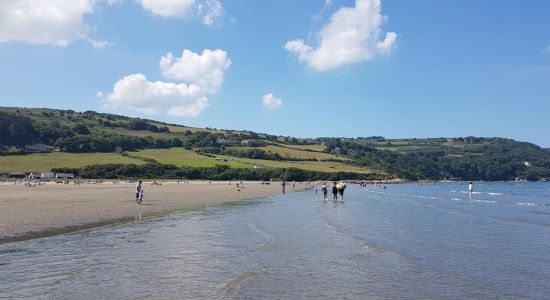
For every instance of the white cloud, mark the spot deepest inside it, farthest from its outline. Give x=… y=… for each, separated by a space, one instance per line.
x=200 y=76
x=208 y=10
x=271 y=102
x=168 y=8
x=137 y=93
x=52 y=22
x=206 y=69
x=99 y=44
x=547 y=49
x=352 y=35
x=214 y=10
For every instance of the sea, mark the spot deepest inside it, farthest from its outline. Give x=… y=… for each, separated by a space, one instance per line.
x=405 y=241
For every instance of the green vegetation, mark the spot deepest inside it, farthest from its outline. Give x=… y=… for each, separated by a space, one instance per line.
x=38 y=162
x=154 y=171
x=181 y=157
x=107 y=138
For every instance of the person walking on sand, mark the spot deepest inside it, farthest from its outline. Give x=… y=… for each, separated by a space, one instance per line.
x=334 y=192
x=139 y=192
x=284 y=186
x=324 y=188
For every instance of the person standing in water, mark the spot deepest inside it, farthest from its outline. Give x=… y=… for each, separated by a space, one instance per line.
x=334 y=192
x=470 y=189
x=139 y=190
x=324 y=188
x=341 y=191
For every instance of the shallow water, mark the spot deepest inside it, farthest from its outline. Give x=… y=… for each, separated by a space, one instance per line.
x=406 y=241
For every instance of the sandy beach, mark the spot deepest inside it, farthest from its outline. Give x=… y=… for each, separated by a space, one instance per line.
x=56 y=208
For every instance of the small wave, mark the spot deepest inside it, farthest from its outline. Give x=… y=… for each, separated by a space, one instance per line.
x=455 y=199
x=496 y=194
x=526 y=203
x=484 y=201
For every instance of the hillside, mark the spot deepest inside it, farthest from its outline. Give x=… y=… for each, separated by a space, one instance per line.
x=79 y=140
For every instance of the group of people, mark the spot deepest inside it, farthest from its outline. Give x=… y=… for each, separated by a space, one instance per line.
x=337 y=188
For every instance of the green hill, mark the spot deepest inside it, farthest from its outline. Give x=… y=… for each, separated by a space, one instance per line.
x=106 y=145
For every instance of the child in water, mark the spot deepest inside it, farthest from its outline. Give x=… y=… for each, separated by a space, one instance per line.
x=325 y=191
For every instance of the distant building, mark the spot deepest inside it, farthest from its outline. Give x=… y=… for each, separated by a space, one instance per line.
x=258 y=166
x=35 y=175
x=17 y=175
x=220 y=141
x=37 y=147
x=48 y=175
x=64 y=175
x=526 y=163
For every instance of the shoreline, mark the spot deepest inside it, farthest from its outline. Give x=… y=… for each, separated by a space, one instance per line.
x=53 y=209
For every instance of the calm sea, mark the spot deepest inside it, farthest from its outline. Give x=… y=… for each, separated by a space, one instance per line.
x=403 y=242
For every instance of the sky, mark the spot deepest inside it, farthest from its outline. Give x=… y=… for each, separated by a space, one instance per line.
x=342 y=68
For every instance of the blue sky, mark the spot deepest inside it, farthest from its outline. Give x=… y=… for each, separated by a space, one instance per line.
x=406 y=68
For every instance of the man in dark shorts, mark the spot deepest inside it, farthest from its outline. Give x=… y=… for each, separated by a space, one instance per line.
x=341 y=191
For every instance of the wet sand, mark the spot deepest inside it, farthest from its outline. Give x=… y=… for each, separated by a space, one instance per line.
x=49 y=209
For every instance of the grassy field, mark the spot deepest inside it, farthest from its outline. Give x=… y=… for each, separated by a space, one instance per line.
x=186 y=158
x=40 y=162
x=294 y=153
x=316 y=147
x=321 y=166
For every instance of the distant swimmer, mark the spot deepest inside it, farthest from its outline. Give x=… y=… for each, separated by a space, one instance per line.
x=139 y=192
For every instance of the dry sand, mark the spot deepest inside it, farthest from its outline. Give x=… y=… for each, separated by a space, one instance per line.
x=49 y=209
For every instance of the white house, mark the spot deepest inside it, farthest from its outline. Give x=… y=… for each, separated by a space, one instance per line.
x=35 y=175
x=47 y=175
x=64 y=175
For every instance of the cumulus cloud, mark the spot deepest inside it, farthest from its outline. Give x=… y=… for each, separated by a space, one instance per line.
x=353 y=35
x=206 y=69
x=208 y=10
x=271 y=102
x=137 y=93
x=199 y=76
x=52 y=22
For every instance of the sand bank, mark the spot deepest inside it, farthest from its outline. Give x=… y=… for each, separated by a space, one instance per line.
x=56 y=208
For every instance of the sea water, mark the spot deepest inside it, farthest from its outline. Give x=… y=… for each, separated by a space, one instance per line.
x=406 y=241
